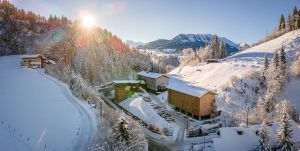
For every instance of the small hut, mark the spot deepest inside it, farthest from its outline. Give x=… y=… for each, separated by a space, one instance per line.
x=33 y=61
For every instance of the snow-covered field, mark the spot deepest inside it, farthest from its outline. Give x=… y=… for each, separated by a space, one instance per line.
x=39 y=113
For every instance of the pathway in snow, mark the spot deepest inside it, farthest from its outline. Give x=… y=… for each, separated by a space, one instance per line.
x=39 y=113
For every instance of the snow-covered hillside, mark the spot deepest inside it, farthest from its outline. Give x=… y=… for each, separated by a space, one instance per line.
x=39 y=113
x=217 y=76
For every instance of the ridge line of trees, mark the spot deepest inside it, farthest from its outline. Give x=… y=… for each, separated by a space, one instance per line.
x=292 y=23
x=215 y=50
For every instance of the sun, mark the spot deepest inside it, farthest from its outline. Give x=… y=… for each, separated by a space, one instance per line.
x=88 y=21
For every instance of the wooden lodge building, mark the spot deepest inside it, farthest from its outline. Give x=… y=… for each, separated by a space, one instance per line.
x=33 y=61
x=196 y=102
x=154 y=81
x=125 y=88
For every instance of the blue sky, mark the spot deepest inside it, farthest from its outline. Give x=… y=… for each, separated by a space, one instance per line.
x=147 y=20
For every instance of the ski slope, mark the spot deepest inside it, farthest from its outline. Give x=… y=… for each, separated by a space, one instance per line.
x=38 y=113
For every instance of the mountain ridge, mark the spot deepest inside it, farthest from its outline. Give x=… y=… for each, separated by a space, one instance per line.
x=194 y=41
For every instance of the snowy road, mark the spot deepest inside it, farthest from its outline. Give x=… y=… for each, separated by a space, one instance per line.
x=87 y=129
x=38 y=112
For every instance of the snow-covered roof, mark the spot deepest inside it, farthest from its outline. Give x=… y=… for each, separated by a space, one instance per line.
x=31 y=56
x=128 y=81
x=187 y=88
x=51 y=61
x=152 y=75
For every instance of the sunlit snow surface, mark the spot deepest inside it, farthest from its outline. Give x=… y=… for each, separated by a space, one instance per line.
x=34 y=112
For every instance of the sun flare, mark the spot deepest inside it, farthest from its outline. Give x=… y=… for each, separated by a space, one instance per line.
x=88 y=21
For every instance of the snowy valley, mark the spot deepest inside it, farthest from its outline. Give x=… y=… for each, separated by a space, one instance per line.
x=73 y=85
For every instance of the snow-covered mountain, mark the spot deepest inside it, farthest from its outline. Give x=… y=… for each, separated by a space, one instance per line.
x=194 y=41
x=134 y=44
x=243 y=46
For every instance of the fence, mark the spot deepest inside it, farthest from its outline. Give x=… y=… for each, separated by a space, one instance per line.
x=28 y=141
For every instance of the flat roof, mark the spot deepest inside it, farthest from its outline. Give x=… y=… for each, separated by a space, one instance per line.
x=128 y=81
x=187 y=88
x=152 y=75
x=31 y=56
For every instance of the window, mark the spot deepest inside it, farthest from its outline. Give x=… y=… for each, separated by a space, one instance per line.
x=183 y=111
x=196 y=117
x=239 y=132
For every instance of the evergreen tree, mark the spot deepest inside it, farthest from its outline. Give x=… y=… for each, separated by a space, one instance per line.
x=51 y=19
x=265 y=71
x=282 y=23
x=276 y=60
x=128 y=136
x=215 y=45
x=264 y=144
x=284 y=131
x=223 y=50
x=295 y=18
x=282 y=66
x=121 y=131
x=260 y=109
x=273 y=84
x=266 y=62
x=295 y=10
x=290 y=23
x=282 y=58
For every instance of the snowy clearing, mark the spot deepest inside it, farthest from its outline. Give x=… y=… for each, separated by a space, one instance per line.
x=38 y=112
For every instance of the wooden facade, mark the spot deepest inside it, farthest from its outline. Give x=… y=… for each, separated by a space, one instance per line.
x=33 y=61
x=154 y=81
x=124 y=89
x=198 y=107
